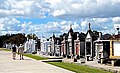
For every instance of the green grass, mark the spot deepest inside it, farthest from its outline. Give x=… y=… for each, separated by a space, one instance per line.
x=35 y=57
x=77 y=68
x=4 y=49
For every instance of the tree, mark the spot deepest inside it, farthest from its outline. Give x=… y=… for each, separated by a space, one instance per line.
x=32 y=36
x=13 y=39
x=106 y=36
x=18 y=39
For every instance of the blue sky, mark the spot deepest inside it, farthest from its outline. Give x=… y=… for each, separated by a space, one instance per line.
x=43 y=17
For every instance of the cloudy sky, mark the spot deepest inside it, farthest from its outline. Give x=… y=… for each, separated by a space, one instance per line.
x=43 y=17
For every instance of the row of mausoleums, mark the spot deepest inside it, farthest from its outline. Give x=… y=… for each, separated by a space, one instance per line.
x=92 y=45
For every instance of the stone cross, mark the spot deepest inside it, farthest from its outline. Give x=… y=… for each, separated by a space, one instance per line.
x=89 y=26
x=70 y=26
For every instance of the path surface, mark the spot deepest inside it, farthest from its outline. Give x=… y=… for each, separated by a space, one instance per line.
x=94 y=64
x=28 y=65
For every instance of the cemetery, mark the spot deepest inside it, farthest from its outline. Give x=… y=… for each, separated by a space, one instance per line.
x=92 y=46
x=59 y=36
x=75 y=47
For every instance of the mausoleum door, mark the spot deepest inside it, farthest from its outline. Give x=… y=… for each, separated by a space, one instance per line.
x=77 y=49
x=88 y=48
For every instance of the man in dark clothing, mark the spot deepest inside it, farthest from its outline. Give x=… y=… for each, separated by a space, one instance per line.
x=14 y=51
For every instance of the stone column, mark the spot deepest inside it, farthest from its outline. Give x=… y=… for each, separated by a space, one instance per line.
x=112 y=62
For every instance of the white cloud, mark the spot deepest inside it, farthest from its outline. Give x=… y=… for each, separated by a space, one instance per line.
x=76 y=26
x=58 y=12
x=103 y=15
x=9 y=25
x=12 y=26
x=99 y=24
x=116 y=26
x=23 y=8
x=53 y=2
x=9 y=21
x=60 y=8
x=101 y=20
x=76 y=5
x=87 y=8
x=58 y=27
x=2 y=27
x=20 y=4
x=63 y=22
x=116 y=20
x=115 y=1
x=84 y=24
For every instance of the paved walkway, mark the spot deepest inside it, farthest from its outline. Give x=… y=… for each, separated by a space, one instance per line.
x=114 y=69
x=28 y=65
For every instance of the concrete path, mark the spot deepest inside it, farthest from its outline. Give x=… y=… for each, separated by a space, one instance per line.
x=94 y=64
x=28 y=65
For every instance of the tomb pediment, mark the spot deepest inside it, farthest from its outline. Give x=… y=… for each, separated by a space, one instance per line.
x=88 y=36
x=88 y=39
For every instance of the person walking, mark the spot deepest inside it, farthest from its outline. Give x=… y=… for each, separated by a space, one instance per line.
x=21 y=51
x=14 y=52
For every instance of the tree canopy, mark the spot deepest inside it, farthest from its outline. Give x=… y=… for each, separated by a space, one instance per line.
x=32 y=36
x=13 y=39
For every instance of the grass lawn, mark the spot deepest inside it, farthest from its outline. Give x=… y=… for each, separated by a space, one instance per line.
x=77 y=68
x=4 y=49
x=35 y=57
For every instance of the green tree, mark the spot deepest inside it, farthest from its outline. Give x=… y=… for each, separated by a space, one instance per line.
x=32 y=36
x=13 y=39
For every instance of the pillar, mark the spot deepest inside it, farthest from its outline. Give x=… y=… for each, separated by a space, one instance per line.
x=112 y=62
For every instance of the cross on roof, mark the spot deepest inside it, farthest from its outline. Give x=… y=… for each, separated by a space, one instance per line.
x=70 y=26
x=89 y=26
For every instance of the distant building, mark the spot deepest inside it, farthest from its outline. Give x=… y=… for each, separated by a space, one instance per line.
x=89 y=45
x=73 y=44
x=102 y=46
x=52 y=45
x=30 y=46
x=115 y=47
x=55 y=47
x=44 y=43
x=38 y=45
x=79 y=45
x=64 y=45
x=8 y=46
x=70 y=43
